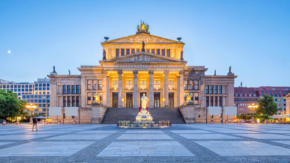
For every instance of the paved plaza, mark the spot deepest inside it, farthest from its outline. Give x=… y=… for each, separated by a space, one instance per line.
x=180 y=143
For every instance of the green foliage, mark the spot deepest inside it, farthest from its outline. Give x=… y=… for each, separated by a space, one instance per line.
x=267 y=106
x=10 y=106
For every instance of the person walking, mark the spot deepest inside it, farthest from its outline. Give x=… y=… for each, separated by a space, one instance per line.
x=34 y=120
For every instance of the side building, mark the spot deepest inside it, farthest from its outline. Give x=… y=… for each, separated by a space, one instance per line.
x=245 y=96
x=37 y=93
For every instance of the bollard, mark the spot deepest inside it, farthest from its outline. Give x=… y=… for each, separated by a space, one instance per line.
x=74 y=122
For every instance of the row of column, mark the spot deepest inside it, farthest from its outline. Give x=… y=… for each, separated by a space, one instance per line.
x=214 y=99
x=151 y=72
x=69 y=98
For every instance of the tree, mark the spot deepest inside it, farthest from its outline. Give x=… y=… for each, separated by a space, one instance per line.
x=10 y=106
x=267 y=106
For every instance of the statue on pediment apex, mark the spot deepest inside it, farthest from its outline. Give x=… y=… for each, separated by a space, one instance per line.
x=143 y=28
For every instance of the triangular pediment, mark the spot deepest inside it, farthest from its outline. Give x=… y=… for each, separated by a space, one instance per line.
x=139 y=38
x=143 y=57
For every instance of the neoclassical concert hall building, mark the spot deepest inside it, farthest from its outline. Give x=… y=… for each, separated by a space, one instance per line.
x=142 y=64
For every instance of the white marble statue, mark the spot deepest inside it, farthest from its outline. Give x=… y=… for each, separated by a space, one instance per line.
x=144 y=101
x=144 y=115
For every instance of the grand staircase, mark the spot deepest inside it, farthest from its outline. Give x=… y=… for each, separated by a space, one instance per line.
x=114 y=115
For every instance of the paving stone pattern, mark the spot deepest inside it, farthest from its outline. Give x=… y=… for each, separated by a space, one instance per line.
x=180 y=143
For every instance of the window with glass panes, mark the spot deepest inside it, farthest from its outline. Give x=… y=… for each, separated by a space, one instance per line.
x=89 y=84
x=190 y=84
x=163 y=52
x=220 y=89
x=117 y=52
x=156 y=85
x=211 y=89
x=153 y=51
x=68 y=89
x=73 y=89
x=196 y=100
x=99 y=84
x=196 y=84
x=78 y=89
x=115 y=84
x=185 y=84
x=143 y=84
x=158 y=51
x=206 y=89
x=168 y=52
x=127 y=51
x=64 y=89
x=129 y=84
x=89 y=98
x=122 y=52
x=94 y=84
x=132 y=51
x=215 y=89
x=171 y=84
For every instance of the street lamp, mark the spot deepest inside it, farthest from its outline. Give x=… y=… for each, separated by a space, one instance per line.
x=253 y=107
x=31 y=108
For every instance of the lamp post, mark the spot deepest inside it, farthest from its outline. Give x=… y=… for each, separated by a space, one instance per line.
x=253 y=107
x=31 y=107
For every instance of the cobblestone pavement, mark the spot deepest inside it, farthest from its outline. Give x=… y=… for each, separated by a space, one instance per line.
x=180 y=143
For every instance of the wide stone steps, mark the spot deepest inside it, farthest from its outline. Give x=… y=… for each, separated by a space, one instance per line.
x=114 y=115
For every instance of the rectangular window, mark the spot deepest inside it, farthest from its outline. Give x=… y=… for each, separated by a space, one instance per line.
x=196 y=84
x=156 y=85
x=152 y=51
x=148 y=50
x=115 y=84
x=220 y=89
x=68 y=101
x=68 y=89
x=117 y=52
x=190 y=84
x=64 y=89
x=185 y=84
x=94 y=84
x=132 y=51
x=89 y=98
x=78 y=89
x=206 y=89
x=196 y=100
x=129 y=84
x=99 y=84
x=73 y=89
x=215 y=90
x=77 y=100
x=171 y=84
x=64 y=101
x=211 y=89
x=122 y=52
x=89 y=84
x=137 y=50
x=127 y=51
x=168 y=52
x=163 y=52
x=143 y=84
x=73 y=101
x=158 y=51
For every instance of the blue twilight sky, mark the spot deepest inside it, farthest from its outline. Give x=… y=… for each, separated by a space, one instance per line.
x=252 y=36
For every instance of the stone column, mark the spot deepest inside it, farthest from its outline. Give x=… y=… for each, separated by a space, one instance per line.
x=218 y=100
x=104 y=90
x=166 y=72
x=181 y=75
x=151 y=72
x=108 y=91
x=83 y=92
x=70 y=101
x=120 y=88
x=135 y=72
x=178 y=91
x=193 y=98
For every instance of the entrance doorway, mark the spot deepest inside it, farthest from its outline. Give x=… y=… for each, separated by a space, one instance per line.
x=141 y=94
x=171 y=100
x=129 y=100
x=156 y=100
x=115 y=100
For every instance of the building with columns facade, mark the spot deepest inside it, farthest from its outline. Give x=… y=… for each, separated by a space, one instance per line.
x=142 y=64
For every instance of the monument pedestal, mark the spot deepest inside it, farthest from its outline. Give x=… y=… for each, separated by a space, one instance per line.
x=98 y=112
x=187 y=112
